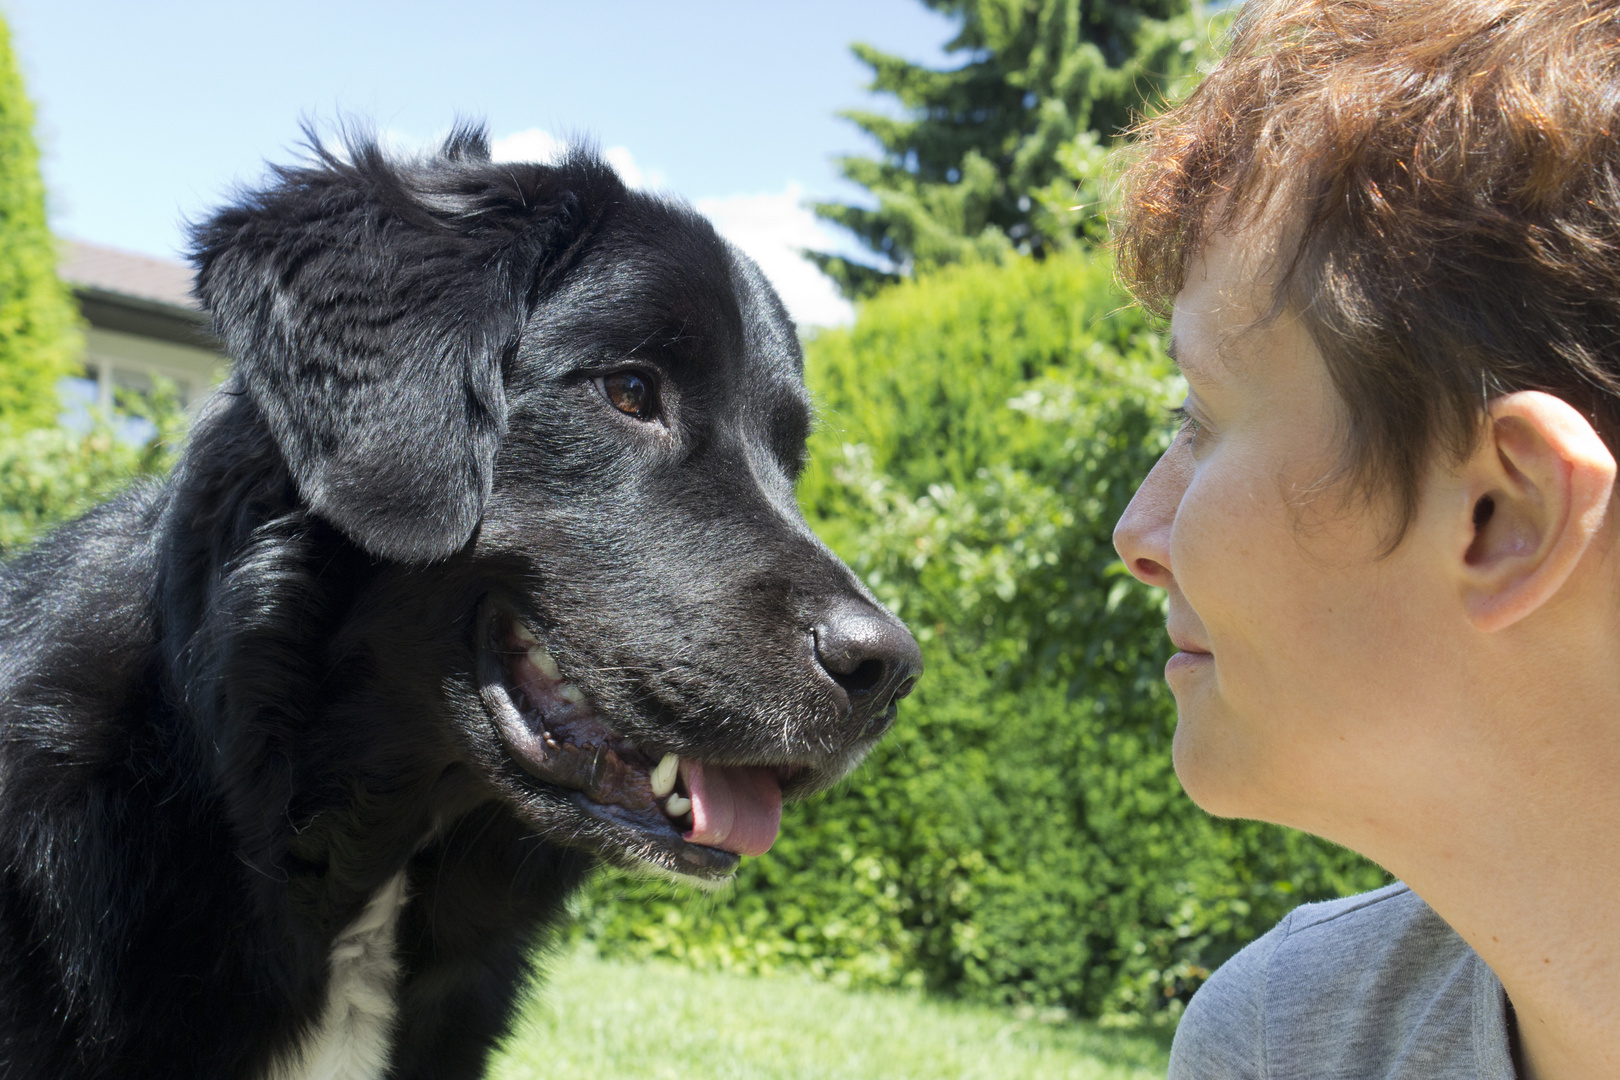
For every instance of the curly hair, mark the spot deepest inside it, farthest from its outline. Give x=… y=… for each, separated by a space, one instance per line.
x=1451 y=169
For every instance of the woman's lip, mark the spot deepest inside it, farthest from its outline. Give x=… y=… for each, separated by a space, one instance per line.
x=1185 y=661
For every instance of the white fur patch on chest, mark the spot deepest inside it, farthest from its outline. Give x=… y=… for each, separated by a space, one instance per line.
x=352 y=1038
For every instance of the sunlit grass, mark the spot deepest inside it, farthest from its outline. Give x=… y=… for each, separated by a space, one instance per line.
x=607 y=1019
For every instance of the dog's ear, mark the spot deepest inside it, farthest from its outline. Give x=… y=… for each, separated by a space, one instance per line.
x=369 y=304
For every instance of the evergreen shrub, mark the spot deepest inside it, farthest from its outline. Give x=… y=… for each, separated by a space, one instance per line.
x=1001 y=149
x=39 y=324
x=1020 y=835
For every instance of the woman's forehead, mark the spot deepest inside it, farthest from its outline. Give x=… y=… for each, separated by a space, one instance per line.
x=1226 y=314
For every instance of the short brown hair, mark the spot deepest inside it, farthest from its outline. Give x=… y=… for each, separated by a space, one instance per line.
x=1456 y=170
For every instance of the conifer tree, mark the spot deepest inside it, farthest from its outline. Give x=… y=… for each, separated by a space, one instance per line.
x=39 y=336
x=993 y=155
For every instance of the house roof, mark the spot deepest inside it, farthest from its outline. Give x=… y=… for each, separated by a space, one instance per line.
x=122 y=273
x=135 y=294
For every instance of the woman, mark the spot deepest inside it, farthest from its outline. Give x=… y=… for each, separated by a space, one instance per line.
x=1388 y=236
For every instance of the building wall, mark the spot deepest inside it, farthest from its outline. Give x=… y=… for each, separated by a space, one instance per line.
x=115 y=358
x=141 y=321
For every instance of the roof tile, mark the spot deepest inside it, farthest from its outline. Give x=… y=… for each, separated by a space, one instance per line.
x=96 y=267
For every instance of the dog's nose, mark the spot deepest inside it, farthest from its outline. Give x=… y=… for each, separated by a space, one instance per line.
x=872 y=656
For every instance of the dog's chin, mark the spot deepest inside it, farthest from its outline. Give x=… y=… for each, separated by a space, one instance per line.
x=641 y=806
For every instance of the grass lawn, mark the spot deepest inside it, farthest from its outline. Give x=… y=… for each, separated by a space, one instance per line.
x=609 y=1019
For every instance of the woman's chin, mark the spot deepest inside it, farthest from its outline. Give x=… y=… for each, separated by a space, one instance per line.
x=1216 y=784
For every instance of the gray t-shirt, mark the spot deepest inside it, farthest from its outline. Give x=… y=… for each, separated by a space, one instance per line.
x=1371 y=987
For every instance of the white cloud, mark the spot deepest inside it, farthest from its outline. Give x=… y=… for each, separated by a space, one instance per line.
x=771 y=227
x=537 y=144
x=645 y=179
x=531 y=145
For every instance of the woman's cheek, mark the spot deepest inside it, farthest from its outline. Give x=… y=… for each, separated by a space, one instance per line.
x=1212 y=540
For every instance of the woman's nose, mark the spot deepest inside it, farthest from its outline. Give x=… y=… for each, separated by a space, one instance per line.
x=1142 y=536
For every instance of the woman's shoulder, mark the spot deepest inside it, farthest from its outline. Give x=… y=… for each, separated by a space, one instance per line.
x=1365 y=986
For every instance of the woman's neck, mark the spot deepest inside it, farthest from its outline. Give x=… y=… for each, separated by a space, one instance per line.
x=1519 y=851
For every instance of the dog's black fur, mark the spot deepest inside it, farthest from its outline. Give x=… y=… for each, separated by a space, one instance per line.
x=235 y=704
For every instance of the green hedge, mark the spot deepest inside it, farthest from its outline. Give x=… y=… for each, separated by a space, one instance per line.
x=51 y=474
x=1021 y=835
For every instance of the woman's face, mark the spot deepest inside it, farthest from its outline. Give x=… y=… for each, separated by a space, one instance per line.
x=1308 y=658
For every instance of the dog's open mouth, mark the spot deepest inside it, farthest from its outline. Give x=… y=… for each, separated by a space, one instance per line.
x=700 y=817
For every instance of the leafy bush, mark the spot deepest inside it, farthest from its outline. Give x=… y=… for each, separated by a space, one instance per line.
x=50 y=474
x=1021 y=835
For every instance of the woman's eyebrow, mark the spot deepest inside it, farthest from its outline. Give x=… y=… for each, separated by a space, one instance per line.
x=1178 y=357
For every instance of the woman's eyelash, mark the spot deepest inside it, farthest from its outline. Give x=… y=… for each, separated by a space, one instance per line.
x=1184 y=420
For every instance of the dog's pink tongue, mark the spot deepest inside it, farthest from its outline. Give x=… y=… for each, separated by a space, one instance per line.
x=734 y=809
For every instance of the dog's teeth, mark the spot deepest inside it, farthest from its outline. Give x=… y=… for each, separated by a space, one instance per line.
x=568 y=691
x=663 y=777
x=540 y=658
x=523 y=634
x=677 y=806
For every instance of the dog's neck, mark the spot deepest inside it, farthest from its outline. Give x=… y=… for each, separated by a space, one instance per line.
x=354 y=1035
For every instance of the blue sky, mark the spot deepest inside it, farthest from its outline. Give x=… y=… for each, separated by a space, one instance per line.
x=150 y=112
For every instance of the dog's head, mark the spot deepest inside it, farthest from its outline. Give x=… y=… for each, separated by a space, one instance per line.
x=586 y=408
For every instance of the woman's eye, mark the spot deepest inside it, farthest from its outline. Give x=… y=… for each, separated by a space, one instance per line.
x=630 y=393
x=1186 y=422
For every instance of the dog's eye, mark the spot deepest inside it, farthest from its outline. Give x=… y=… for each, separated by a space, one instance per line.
x=630 y=393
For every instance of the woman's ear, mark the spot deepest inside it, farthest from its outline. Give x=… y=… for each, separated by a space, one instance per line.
x=1540 y=487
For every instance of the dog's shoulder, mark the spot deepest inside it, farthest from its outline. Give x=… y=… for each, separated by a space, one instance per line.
x=76 y=609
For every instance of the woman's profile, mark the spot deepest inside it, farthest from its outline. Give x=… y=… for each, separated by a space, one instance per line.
x=1387 y=234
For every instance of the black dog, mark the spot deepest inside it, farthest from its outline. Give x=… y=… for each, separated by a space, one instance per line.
x=484 y=566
